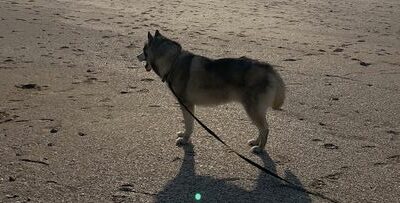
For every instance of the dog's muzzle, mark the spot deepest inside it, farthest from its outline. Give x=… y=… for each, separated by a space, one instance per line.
x=142 y=58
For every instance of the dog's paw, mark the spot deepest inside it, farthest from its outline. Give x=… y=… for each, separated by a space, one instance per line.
x=181 y=134
x=252 y=142
x=256 y=150
x=181 y=141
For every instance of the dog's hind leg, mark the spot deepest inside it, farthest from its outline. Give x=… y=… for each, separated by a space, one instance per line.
x=256 y=111
x=183 y=137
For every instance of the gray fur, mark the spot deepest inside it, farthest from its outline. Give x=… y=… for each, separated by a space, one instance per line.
x=199 y=80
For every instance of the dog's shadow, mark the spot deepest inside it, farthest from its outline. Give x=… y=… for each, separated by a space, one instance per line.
x=185 y=186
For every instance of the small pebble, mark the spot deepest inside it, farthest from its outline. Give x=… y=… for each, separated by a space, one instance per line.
x=364 y=64
x=330 y=146
x=338 y=50
x=11 y=179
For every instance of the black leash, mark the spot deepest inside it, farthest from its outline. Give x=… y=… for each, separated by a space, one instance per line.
x=290 y=185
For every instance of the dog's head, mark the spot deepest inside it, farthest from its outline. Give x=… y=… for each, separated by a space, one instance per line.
x=159 y=53
x=144 y=56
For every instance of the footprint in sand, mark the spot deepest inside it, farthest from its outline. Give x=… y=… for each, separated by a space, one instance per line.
x=361 y=62
x=9 y=60
x=124 y=92
x=338 y=50
x=318 y=184
x=330 y=146
x=46 y=119
x=54 y=130
x=143 y=90
x=133 y=67
x=334 y=98
x=333 y=177
x=29 y=86
x=395 y=159
x=147 y=79
x=291 y=59
x=368 y=146
x=93 y=20
x=6 y=117
x=90 y=79
x=126 y=188
x=380 y=164
x=154 y=105
x=393 y=132
x=364 y=63
x=316 y=140
x=78 y=50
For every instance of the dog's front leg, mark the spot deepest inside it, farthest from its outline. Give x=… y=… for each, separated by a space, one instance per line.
x=183 y=137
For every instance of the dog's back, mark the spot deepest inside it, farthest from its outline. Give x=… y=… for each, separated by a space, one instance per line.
x=223 y=80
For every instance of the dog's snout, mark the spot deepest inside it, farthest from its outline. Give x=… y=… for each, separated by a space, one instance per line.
x=141 y=57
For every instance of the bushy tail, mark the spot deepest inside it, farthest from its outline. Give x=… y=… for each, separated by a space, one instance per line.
x=280 y=90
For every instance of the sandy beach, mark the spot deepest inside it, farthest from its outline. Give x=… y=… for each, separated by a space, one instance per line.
x=82 y=121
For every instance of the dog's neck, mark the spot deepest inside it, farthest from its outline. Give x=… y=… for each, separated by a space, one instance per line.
x=171 y=69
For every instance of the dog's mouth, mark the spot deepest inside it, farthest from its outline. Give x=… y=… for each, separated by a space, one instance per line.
x=147 y=67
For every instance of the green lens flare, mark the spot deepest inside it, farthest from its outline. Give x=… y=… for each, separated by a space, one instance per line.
x=197 y=196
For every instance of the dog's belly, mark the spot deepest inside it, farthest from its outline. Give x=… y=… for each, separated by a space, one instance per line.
x=212 y=96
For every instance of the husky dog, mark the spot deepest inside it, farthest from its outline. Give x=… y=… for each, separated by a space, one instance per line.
x=198 y=80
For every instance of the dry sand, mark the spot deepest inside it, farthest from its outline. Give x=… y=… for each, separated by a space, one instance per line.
x=82 y=121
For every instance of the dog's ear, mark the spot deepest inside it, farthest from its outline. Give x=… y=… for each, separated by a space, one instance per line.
x=157 y=34
x=149 y=37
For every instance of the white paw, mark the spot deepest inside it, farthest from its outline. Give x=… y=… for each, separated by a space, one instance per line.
x=181 y=141
x=252 y=142
x=256 y=150
x=181 y=134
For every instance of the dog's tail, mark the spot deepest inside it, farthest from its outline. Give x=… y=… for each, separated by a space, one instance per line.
x=280 y=90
